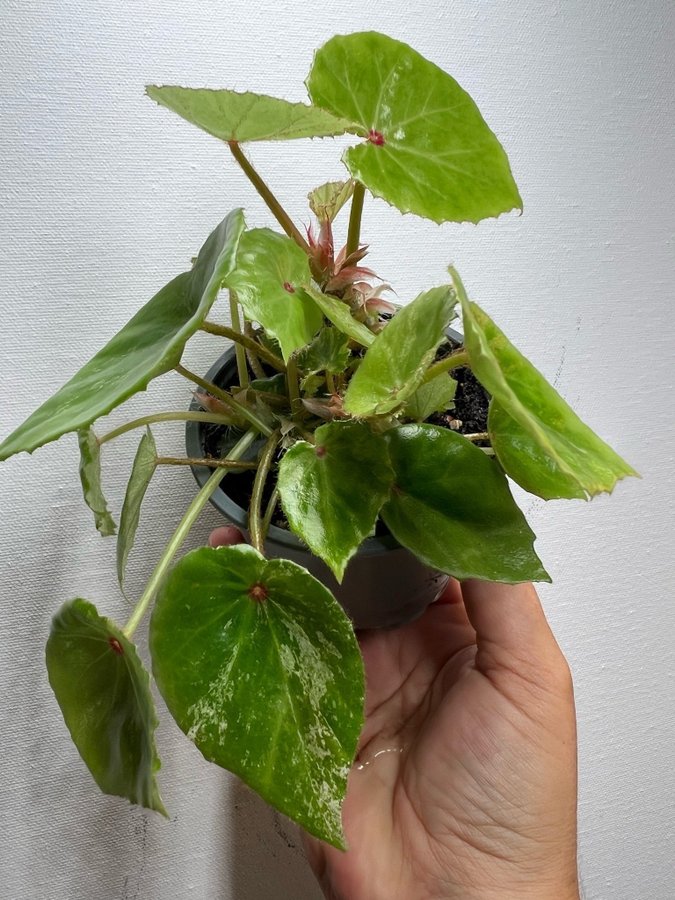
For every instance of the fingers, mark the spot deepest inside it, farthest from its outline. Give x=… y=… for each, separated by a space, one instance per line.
x=226 y=536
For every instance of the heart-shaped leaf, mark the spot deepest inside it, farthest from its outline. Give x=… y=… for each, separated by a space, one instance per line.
x=395 y=364
x=451 y=505
x=149 y=345
x=338 y=313
x=270 y=271
x=538 y=438
x=90 y=478
x=428 y=149
x=104 y=694
x=332 y=492
x=145 y=463
x=328 y=352
x=235 y=116
x=434 y=396
x=259 y=666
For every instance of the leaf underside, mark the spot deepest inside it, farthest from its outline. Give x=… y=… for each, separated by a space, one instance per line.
x=434 y=396
x=142 y=470
x=90 y=478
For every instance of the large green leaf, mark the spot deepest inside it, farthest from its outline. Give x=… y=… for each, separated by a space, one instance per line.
x=429 y=150
x=260 y=668
x=149 y=345
x=234 y=116
x=332 y=492
x=145 y=463
x=90 y=478
x=104 y=694
x=395 y=364
x=538 y=438
x=434 y=396
x=452 y=507
x=338 y=313
x=268 y=277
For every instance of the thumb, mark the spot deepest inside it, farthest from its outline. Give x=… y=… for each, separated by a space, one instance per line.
x=226 y=536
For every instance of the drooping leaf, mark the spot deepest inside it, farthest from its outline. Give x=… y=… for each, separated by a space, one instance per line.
x=104 y=694
x=394 y=366
x=434 y=396
x=332 y=492
x=327 y=200
x=338 y=313
x=537 y=437
x=452 y=507
x=428 y=149
x=260 y=668
x=90 y=477
x=235 y=116
x=145 y=463
x=328 y=352
x=149 y=345
x=270 y=272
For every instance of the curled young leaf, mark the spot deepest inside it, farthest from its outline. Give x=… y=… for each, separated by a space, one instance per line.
x=327 y=200
x=90 y=477
x=145 y=463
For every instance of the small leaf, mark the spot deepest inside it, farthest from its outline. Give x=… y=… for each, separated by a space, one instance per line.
x=275 y=384
x=145 y=463
x=104 y=694
x=332 y=492
x=338 y=313
x=451 y=506
x=234 y=116
x=260 y=667
x=270 y=272
x=149 y=345
x=428 y=150
x=90 y=477
x=434 y=396
x=328 y=352
x=541 y=442
x=327 y=200
x=393 y=368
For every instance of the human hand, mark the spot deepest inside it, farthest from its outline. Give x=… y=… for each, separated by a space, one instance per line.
x=465 y=782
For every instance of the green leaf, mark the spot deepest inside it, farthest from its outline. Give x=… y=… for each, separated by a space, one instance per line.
x=270 y=271
x=451 y=506
x=259 y=666
x=275 y=384
x=234 y=116
x=327 y=200
x=537 y=437
x=393 y=368
x=434 y=396
x=104 y=694
x=149 y=345
x=338 y=313
x=428 y=150
x=90 y=477
x=332 y=492
x=328 y=352
x=145 y=463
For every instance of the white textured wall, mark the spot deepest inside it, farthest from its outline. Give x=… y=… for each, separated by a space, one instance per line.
x=103 y=197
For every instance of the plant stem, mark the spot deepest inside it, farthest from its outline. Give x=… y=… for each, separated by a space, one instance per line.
x=252 y=355
x=330 y=383
x=355 y=211
x=212 y=418
x=240 y=352
x=227 y=398
x=273 y=204
x=179 y=535
x=246 y=341
x=479 y=436
x=454 y=361
x=264 y=465
x=293 y=386
x=269 y=512
x=211 y=463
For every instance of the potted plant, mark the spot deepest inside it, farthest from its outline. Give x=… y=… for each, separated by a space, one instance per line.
x=332 y=416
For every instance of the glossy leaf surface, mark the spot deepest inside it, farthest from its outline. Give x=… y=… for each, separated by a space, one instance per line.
x=148 y=345
x=434 y=396
x=235 y=116
x=90 y=478
x=104 y=694
x=395 y=364
x=259 y=666
x=145 y=463
x=538 y=438
x=338 y=313
x=332 y=492
x=270 y=271
x=428 y=150
x=327 y=200
x=328 y=352
x=452 y=507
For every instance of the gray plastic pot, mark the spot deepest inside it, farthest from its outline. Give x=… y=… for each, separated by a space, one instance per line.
x=384 y=585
